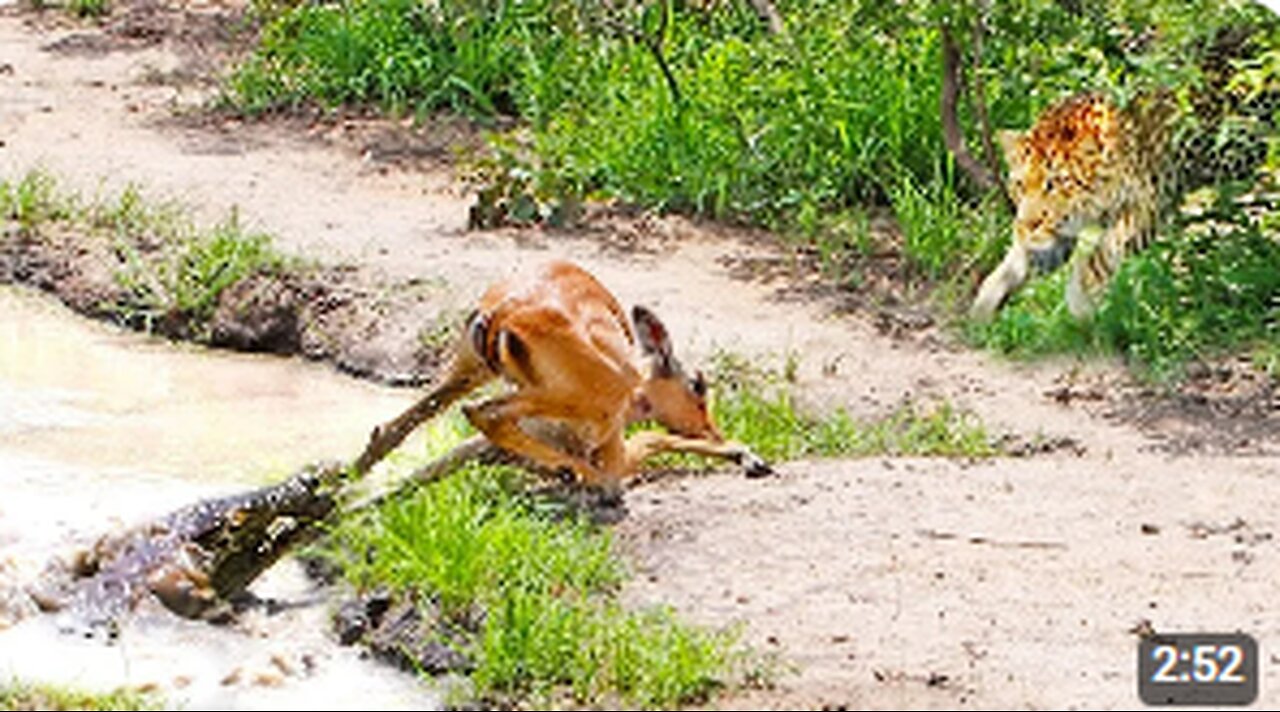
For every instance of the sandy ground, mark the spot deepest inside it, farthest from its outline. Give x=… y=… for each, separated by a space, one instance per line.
x=877 y=583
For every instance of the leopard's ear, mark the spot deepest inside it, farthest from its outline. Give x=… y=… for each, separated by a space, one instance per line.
x=1011 y=143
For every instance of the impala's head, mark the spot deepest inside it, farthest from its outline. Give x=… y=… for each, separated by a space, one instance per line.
x=669 y=395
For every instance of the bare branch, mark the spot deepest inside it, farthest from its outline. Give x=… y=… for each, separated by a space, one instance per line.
x=951 y=132
x=653 y=43
x=978 y=102
x=985 y=175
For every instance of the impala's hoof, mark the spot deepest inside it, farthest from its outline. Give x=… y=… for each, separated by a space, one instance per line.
x=608 y=496
x=756 y=467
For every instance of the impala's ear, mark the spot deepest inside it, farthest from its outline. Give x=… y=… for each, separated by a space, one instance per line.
x=1011 y=144
x=654 y=341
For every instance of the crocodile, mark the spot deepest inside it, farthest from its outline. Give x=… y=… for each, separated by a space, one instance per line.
x=197 y=560
x=194 y=560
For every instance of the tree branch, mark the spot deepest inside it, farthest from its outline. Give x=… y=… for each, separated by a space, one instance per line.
x=978 y=103
x=651 y=43
x=982 y=176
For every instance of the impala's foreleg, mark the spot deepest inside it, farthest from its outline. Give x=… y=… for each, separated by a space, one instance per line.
x=646 y=444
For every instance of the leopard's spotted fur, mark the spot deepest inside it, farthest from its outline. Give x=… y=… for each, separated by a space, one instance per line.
x=1086 y=166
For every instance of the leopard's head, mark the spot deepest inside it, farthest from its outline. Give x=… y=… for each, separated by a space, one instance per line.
x=1055 y=172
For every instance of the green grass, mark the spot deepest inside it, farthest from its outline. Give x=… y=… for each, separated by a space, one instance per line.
x=398 y=54
x=757 y=407
x=770 y=421
x=19 y=695
x=170 y=270
x=33 y=200
x=793 y=133
x=183 y=278
x=1199 y=292
x=528 y=593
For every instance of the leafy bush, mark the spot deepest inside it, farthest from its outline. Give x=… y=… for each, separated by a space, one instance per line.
x=1195 y=294
x=694 y=107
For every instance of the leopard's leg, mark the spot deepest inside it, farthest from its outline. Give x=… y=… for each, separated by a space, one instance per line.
x=1104 y=250
x=1081 y=300
x=1011 y=273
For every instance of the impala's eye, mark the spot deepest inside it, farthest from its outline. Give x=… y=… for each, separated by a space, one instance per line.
x=699 y=385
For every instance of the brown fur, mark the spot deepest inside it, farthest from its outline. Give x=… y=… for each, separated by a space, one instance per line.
x=574 y=358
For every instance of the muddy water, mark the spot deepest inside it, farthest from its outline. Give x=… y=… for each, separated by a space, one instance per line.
x=100 y=428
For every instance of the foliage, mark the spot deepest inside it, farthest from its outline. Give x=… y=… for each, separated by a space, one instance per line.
x=526 y=590
x=398 y=54
x=19 y=695
x=756 y=408
x=694 y=107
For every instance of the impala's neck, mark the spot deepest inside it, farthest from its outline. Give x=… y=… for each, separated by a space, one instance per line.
x=641 y=408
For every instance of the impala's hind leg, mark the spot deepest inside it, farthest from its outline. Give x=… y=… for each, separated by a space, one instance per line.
x=1011 y=273
x=466 y=373
x=499 y=420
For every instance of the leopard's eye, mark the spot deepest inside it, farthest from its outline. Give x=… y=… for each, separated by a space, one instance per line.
x=1048 y=184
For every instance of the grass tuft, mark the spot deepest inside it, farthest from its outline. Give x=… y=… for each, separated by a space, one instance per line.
x=757 y=408
x=171 y=271
x=181 y=279
x=19 y=695
x=32 y=201
x=528 y=592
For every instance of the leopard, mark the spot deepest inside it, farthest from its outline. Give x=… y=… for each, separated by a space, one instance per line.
x=1089 y=176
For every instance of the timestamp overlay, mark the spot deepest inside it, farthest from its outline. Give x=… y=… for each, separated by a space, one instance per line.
x=1198 y=669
